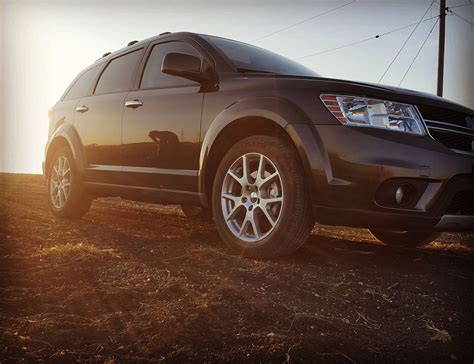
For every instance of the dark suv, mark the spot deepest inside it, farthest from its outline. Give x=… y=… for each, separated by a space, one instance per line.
x=261 y=143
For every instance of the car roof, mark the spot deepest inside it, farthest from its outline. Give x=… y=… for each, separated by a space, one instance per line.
x=223 y=63
x=142 y=42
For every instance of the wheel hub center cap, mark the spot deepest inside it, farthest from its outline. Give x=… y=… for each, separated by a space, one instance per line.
x=254 y=197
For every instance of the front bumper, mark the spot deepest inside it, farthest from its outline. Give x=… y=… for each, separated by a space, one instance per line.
x=455 y=222
x=349 y=164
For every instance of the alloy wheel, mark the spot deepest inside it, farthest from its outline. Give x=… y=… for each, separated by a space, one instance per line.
x=60 y=182
x=252 y=197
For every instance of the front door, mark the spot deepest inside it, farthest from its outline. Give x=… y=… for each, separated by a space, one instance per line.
x=161 y=126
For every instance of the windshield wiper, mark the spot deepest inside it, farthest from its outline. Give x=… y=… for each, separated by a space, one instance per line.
x=250 y=70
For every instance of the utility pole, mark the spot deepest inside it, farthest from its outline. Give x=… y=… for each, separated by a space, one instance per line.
x=442 y=31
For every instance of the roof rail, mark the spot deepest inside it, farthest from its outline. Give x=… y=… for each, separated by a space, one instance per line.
x=164 y=33
x=132 y=43
x=104 y=55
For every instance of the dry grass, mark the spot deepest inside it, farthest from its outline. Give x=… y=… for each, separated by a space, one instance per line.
x=134 y=282
x=438 y=334
x=76 y=251
x=450 y=246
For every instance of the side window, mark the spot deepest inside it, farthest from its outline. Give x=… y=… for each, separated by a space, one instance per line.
x=118 y=75
x=83 y=84
x=153 y=77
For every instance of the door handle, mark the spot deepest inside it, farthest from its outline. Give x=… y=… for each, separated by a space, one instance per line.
x=133 y=103
x=82 y=108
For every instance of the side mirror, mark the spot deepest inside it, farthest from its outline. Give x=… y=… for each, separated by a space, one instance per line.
x=183 y=65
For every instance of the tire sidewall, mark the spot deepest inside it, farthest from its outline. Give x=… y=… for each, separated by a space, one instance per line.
x=269 y=149
x=74 y=187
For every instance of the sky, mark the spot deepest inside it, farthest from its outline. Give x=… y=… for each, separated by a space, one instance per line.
x=44 y=44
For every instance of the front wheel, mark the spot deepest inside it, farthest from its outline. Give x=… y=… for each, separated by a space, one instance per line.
x=66 y=195
x=260 y=199
x=406 y=239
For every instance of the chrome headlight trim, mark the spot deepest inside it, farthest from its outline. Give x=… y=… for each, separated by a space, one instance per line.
x=361 y=111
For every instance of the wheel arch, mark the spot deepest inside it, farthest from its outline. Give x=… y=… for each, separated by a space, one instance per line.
x=65 y=136
x=263 y=116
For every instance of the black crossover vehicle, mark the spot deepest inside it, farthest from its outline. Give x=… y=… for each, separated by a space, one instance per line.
x=261 y=143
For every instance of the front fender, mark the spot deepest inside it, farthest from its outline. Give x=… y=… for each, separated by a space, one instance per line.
x=68 y=133
x=280 y=111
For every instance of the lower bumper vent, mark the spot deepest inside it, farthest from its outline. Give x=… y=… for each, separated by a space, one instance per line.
x=462 y=203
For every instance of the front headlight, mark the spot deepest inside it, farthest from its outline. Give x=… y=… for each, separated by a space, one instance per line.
x=361 y=111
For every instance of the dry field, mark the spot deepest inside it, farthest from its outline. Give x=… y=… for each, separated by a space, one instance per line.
x=138 y=282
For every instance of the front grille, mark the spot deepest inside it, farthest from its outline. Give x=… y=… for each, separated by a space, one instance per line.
x=449 y=127
x=462 y=203
x=453 y=140
x=444 y=115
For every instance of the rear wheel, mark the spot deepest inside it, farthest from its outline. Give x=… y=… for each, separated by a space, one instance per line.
x=260 y=201
x=405 y=238
x=66 y=196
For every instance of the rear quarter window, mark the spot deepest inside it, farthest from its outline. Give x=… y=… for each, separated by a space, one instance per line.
x=83 y=85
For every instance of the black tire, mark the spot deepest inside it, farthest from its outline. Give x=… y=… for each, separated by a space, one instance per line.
x=196 y=212
x=78 y=201
x=295 y=216
x=405 y=239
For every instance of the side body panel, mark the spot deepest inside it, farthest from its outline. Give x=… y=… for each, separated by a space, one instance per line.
x=101 y=131
x=62 y=113
x=160 y=141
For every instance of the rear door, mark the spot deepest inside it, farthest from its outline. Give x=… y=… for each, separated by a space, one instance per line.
x=161 y=125
x=99 y=118
x=64 y=110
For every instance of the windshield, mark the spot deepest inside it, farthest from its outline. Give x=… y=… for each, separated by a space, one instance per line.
x=248 y=58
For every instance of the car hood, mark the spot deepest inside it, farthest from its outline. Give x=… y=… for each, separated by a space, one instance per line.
x=395 y=93
x=348 y=87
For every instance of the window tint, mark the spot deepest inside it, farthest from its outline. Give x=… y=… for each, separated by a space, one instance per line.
x=118 y=74
x=83 y=84
x=153 y=77
x=247 y=57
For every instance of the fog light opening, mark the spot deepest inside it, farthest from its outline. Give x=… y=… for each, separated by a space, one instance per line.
x=404 y=194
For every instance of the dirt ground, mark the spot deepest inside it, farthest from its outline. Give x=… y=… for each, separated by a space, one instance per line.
x=139 y=282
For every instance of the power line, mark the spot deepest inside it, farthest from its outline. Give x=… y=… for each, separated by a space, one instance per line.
x=377 y=36
x=301 y=22
x=419 y=51
x=448 y=9
x=461 y=17
x=405 y=43
x=340 y=47
x=458 y=6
